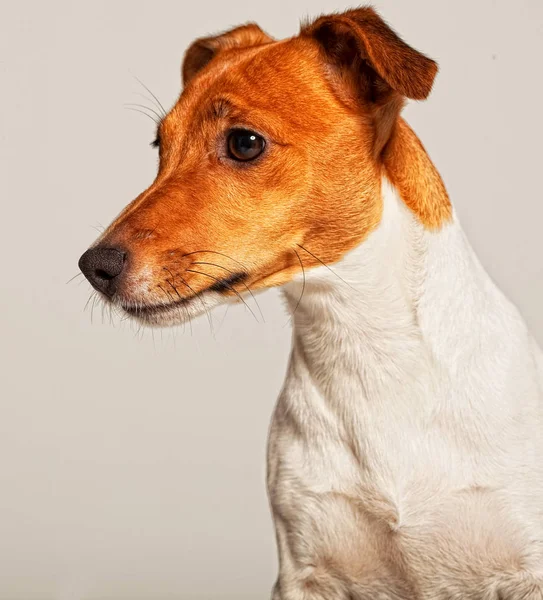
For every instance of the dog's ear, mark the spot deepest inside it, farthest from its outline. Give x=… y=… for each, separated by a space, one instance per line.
x=203 y=50
x=369 y=64
x=359 y=39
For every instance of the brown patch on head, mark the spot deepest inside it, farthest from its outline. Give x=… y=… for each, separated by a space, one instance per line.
x=326 y=105
x=203 y=50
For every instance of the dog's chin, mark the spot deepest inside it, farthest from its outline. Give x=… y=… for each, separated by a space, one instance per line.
x=171 y=313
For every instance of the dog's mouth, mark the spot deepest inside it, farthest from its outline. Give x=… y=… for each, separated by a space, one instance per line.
x=177 y=308
x=150 y=310
x=174 y=312
x=168 y=301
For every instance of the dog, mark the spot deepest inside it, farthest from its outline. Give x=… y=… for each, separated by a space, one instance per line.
x=406 y=448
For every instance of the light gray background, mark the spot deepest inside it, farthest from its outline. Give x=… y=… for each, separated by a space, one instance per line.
x=133 y=467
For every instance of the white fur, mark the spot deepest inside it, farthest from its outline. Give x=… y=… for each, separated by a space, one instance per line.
x=406 y=449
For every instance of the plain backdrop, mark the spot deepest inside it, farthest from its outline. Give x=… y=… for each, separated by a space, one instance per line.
x=132 y=464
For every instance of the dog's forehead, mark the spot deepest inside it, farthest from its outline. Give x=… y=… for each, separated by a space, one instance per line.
x=284 y=77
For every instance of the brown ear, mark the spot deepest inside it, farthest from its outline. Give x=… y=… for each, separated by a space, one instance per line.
x=203 y=50
x=360 y=38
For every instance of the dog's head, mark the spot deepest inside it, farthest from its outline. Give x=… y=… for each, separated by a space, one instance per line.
x=270 y=161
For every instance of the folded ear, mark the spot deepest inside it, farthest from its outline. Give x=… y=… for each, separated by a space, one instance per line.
x=358 y=39
x=203 y=50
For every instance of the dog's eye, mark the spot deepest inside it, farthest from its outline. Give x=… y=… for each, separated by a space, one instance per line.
x=245 y=145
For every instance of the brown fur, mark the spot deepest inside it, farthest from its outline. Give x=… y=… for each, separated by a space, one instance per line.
x=328 y=103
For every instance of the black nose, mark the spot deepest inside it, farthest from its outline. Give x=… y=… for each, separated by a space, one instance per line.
x=102 y=267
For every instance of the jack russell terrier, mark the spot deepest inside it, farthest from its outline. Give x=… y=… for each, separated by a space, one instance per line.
x=406 y=448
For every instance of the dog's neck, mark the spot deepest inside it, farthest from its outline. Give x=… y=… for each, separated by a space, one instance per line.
x=363 y=310
x=400 y=310
x=405 y=356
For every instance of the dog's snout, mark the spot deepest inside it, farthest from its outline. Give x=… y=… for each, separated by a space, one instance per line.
x=102 y=267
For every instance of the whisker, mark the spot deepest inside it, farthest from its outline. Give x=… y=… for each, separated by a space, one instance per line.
x=329 y=268
x=219 y=253
x=186 y=310
x=172 y=285
x=110 y=313
x=196 y=294
x=149 y=108
x=115 y=312
x=148 y=99
x=92 y=308
x=155 y=98
x=223 y=317
x=245 y=270
x=167 y=293
x=143 y=113
x=228 y=286
x=233 y=273
x=92 y=294
x=303 y=286
x=74 y=277
x=103 y=311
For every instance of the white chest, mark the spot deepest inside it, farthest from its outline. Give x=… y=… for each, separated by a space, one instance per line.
x=411 y=415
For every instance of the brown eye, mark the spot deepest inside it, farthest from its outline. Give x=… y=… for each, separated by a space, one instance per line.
x=245 y=145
